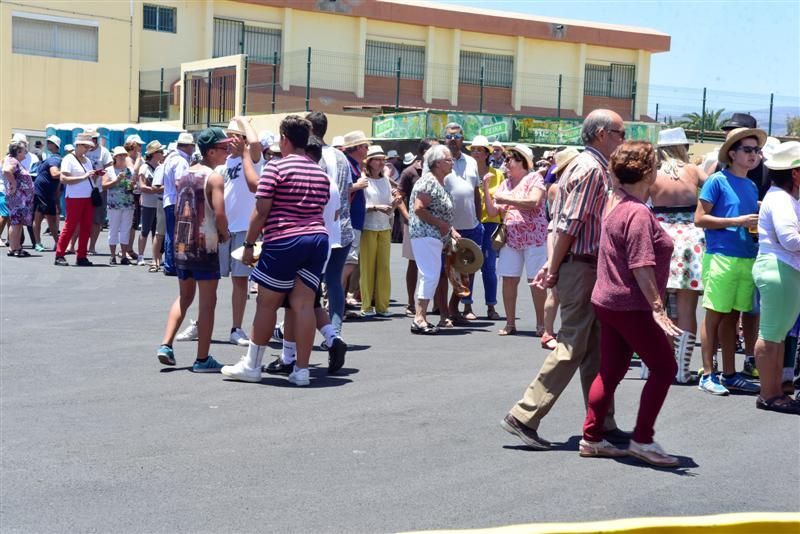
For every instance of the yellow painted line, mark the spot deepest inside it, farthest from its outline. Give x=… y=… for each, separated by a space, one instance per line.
x=742 y=523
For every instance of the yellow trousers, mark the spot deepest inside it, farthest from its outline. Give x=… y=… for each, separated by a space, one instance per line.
x=373 y=262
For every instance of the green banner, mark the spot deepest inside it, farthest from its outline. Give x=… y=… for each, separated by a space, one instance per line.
x=400 y=126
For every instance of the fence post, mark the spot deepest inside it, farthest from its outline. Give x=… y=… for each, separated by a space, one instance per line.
x=161 y=95
x=208 y=101
x=480 y=104
x=308 y=81
x=771 y=101
x=397 y=85
x=244 y=97
x=560 y=82
x=656 y=111
x=633 y=101
x=274 y=77
x=703 y=118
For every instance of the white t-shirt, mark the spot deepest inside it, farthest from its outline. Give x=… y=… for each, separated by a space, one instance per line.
x=332 y=224
x=70 y=165
x=378 y=192
x=100 y=158
x=239 y=200
x=148 y=200
x=158 y=179
x=779 y=227
x=29 y=161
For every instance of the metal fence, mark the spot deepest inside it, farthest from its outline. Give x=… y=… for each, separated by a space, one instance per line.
x=159 y=94
x=334 y=82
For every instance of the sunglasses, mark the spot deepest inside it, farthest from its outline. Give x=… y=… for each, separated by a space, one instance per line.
x=514 y=156
x=750 y=149
x=454 y=136
x=620 y=133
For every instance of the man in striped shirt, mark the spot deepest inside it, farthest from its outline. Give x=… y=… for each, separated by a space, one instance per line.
x=290 y=200
x=572 y=268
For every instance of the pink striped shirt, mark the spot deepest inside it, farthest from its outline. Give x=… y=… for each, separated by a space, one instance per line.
x=299 y=190
x=580 y=199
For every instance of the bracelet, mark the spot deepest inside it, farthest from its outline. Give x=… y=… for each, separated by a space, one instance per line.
x=248 y=245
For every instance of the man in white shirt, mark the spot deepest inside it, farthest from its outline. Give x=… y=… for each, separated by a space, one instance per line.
x=101 y=159
x=175 y=166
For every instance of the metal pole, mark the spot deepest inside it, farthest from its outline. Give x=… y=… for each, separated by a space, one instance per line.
x=308 y=81
x=208 y=102
x=161 y=95
x=703 y=118
x=771 y=101
x=274 y=78
x=480 y=105
x=656 y=111
x=244 y=97
x=397 y=85
x=560 y=81
x=633 y=101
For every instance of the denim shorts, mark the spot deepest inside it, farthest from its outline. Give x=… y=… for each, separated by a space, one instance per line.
x=199 y=276
x=283 y=260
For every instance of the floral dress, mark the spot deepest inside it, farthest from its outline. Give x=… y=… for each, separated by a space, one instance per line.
x=441 y=207
x=20 y=204
x=524 y=228
x=120 y=195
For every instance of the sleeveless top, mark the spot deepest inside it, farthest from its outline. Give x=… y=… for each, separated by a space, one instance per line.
x=196 y=240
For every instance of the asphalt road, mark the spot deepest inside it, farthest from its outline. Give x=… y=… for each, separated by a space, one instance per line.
x=97 y=436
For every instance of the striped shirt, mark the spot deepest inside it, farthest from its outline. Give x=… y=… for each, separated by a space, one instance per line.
x=299 y=190
x=580 y=200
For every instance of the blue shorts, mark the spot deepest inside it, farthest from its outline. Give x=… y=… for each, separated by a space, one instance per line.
x=284 y=260
x=3 y=207
x=199 y=276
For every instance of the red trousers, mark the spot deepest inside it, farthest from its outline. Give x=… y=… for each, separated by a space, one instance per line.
x=621 y=334
x=79 y=212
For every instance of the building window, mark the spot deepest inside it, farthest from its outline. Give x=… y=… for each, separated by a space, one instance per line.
x=233 y=37
x=42 y=35
x=498 y=70
x=613 y=81
x=382 y=57
x=160 y=18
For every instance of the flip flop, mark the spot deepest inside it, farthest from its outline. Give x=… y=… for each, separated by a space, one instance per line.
x=507 y=331
x=493 y=316
x=470 y=316
x=445 y=323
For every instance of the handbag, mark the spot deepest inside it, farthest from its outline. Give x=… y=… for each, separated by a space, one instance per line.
x=499 y=237
x=97 y=198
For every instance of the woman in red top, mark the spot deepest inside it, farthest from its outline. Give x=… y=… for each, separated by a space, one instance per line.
x=632 y=271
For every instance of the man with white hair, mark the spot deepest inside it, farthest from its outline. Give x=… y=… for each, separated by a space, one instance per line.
x=175 y=166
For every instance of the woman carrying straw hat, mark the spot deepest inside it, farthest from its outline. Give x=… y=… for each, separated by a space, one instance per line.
x=119 y=183
x=777 y=276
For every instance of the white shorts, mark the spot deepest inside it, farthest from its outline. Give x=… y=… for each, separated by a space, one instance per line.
x=352 y=254
x=511 y=261
x=227 y=265
x=408 y=253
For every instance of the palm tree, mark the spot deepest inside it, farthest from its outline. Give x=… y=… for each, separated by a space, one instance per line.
x=694 y=121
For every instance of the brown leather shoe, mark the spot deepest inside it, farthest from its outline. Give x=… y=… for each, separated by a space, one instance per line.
x=528 y=435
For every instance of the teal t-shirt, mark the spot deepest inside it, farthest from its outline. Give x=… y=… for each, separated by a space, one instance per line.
x=731 y=196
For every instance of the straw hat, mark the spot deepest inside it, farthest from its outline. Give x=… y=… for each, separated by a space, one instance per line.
x=185 y=138
x=375 y=151
x=737 y=135
x=153 y=147
x=234 y=128
x=119 y=151
x=56 y=140
x=266 y=138
x=84 y=139
x=68 y=148
x=275 y=148
x=237 y=253
x=785 y=156
x=564 y=158
x=469 y=257
x=134 y=138
x=769 y=147
x=338 y=141
x=481 y=141
x=497 y=144
x=19 y=138
x=408 y=158
x=354 y=138
x=672 y=137
x=523 y=151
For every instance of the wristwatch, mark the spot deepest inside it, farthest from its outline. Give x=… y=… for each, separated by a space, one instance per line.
x=248 y=245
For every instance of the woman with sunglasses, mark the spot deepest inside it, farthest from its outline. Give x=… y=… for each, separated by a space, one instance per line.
x=520 y=202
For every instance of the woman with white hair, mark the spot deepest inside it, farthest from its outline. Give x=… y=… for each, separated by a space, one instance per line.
x=430 y=223
x=19 y=196
x=119 y=183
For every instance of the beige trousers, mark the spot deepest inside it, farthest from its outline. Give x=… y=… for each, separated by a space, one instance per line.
x=578 y=348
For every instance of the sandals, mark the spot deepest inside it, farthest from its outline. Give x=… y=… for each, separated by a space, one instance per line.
x=458 y=320
x=19 y=253
x=507 y=331
x=493 y=315
x=549 y=342
x=426 y=330
x=410 y=312
x=540 y=330
x=780 y=404
x=445 y=323
x=469 y=316
x=153 y=268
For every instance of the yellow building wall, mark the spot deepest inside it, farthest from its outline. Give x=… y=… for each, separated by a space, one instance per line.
x=192 y=42
x=80 y=91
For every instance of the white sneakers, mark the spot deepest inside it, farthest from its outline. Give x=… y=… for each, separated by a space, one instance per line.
x=189 y=333
x=240 y=371
x=239 y=337
x=300 y=377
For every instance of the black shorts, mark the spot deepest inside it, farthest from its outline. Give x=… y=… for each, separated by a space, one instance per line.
x=45 y=206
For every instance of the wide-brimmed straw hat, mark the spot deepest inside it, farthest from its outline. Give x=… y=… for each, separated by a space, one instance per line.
x=523 y=151
x=337 y=141
x=234 y=128
x=354 y=138
x=480 y=141
x=134 y=138
x=564 y=157
x=469 y=257
x=119 y=151
x=375 y=151
x=785 y=156
x=737 y=135
x=153 y=147
x=185 y=138
x=672 y=137
x=84 y=139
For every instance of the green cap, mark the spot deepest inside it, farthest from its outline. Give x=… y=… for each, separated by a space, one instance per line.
x=211 y=136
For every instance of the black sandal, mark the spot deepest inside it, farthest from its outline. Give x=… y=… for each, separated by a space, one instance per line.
x=426 y=330
x=779 y=403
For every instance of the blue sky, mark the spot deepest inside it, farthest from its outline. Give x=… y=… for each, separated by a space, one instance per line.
x=740 y=51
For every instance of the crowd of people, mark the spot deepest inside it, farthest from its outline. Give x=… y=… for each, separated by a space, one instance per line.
x=623 y=239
